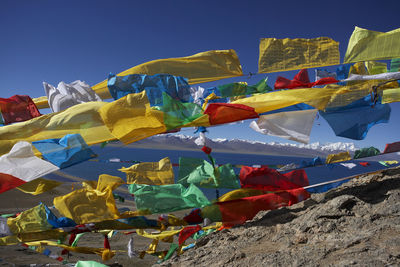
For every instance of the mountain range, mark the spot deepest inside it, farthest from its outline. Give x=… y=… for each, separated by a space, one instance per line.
x=184 y=142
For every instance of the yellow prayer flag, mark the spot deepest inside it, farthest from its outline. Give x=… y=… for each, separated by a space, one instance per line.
x=371 y=45
x=342 y=156
x=391 y=95
x=316 y=97
x=151 y=173
x=131 y=118
x=203 y=67
x=87 y=205
x=38 y=186
x=375 y=67
x=291 y=54
x=31 y=220
x=82 y=119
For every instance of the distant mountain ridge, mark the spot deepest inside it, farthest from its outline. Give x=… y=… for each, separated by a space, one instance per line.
x=183 y=142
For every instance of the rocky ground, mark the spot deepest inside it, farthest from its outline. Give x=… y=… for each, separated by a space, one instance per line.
x=357 y=223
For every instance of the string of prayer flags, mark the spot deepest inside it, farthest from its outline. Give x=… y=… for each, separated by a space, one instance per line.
x=367 y=45
x=64 y=152
x=342 y=156
x=265 y=178
x=293 y=125
x=392 y=147
x=130 y=118
x=202 y=67
x=301 y=80
x=366 y=152
x=38 y=186
x=354 y=120
x=155 y=85
x=20 y=166
x=18 y=108
x=391 y=95
x=91 y=205
x=167 y=198
x=67 y=95
x=220 y=113
x=291 y=54
x=202 y=174
x=151 y=173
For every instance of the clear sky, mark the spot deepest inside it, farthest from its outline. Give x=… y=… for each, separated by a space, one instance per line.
x=58 y=40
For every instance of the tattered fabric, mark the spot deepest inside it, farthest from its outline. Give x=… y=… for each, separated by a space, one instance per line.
x=342 y=156
x=151 y=173
x=64 y=152
x=220 y=113
x=67 y=95
x=131 y=119
x=265 y=178
x=18 y=108
x=392 y=147
x=199 y=68
x=154 y=85
x=167 y=198
x=372 y=45
x=91 y=205
x=366 y=152
x=291 y=54
x=301 y=80
x=20 y=165
x=354 y=120
x=293 y=125
x=202 y=174
x=241 y=210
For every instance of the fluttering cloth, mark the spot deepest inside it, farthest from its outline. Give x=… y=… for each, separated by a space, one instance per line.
x=69 y=94
x=291 y=54
x=18 y=108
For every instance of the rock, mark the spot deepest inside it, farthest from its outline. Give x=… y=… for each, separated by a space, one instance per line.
x=356 y=224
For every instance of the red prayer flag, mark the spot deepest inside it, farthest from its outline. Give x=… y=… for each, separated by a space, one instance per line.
x=8 y=182
x=301 y=80
x=220 y=113
x=187 y=232
x=365 y=164
x=268 y=179
x=392 y=147
x=239 y=211
x=18 y=108
x=206 y=149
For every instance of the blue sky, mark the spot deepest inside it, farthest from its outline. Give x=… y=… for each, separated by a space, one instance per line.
x=57 y=41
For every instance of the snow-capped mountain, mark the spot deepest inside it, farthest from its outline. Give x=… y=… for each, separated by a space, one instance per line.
x=168 y=141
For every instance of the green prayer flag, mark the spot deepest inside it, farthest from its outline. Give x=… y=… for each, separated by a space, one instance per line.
x=202 y=173
x=177 y=113
x=366 y=152
x=167 y=198
x=237 y=89
x=395 y=65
